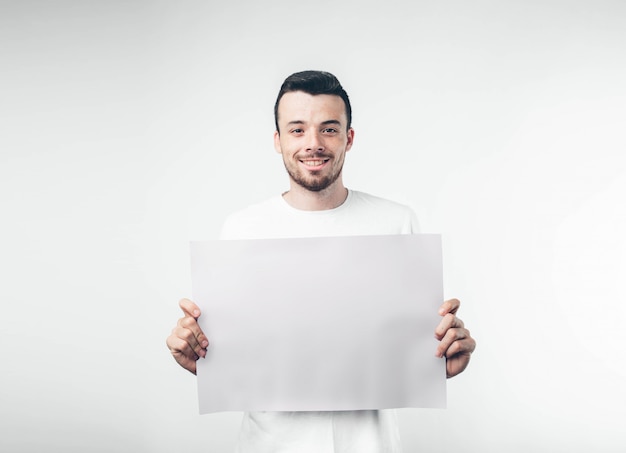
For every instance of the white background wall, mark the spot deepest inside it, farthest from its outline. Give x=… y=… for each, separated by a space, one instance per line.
x=129 y=128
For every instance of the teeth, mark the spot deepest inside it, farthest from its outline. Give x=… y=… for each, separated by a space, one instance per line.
x=313 y=163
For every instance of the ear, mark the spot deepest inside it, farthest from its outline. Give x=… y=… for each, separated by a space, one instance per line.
x=350 y=136
x=277 y=146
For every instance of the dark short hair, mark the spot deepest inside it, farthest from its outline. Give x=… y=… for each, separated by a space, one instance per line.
x=313 y=82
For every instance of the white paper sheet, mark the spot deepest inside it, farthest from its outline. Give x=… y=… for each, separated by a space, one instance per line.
x=340 y=323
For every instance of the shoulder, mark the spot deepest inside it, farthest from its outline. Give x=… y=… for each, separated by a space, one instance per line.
x=368 y=201
x=378 y=212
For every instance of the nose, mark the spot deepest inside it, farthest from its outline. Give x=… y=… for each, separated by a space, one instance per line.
x=315 y=143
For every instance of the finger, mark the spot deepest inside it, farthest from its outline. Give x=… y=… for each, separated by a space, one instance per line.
x=191 y=324
x=188 y=330
x=180 y=346
x=182 y=353
x=449 y=321
x=451 y=336
x=192 y=313
x=182 y=341
x=459 y=354
x=189 y=308
x=449 y=306
x=462 y=346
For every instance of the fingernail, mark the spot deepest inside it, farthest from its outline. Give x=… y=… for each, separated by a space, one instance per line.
x=196 y=313
x=205 y=343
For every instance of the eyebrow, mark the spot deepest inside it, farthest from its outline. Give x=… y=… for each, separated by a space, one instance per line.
x=323 y=123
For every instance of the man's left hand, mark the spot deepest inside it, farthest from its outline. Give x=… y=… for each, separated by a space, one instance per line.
x=456 y=344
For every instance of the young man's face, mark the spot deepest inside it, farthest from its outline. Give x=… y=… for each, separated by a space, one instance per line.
x=313 y=138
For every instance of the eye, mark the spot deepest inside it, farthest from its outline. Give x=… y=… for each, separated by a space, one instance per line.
x=297 y=131
x=329 y=130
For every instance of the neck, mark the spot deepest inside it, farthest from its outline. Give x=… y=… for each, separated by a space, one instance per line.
x=306 y=200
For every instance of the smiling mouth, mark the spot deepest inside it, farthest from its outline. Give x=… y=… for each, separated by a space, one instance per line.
x=315 y=162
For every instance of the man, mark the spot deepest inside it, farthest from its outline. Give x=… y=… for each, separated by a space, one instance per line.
x=313 y=134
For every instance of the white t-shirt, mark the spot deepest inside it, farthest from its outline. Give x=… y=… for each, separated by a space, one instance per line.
x=369 y=431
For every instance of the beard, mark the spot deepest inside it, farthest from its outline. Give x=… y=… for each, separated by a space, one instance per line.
x=312 y=183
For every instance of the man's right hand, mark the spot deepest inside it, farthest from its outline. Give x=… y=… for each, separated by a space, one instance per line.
x=187 y=342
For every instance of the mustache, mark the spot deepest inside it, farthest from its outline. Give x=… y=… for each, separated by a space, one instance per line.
x=315 y=155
